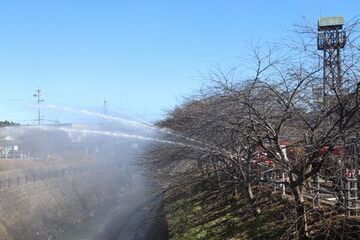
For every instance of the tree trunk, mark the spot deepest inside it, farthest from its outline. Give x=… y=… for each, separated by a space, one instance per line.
x=302 y=223
x=252 y=198
x=250 y=192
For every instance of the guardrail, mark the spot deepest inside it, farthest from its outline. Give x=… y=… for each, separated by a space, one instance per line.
x=320 y=196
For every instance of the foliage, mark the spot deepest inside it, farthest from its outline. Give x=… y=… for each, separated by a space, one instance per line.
x=8 y=124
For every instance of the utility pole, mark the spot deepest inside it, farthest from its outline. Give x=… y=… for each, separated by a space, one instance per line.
x=37 y=95
x=105 y=107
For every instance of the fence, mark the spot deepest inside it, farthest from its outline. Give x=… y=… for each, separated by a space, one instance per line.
x=43 y=175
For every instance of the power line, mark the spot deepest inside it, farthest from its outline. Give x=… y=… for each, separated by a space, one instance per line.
x=13 y=100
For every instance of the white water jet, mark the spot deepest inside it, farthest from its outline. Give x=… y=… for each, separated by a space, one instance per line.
x=118 y=135
x=143 y=124
x=100 y=115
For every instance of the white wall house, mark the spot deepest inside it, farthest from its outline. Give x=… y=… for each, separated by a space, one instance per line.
x=9 y=147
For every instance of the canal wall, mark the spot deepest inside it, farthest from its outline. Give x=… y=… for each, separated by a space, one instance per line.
x=44 y=207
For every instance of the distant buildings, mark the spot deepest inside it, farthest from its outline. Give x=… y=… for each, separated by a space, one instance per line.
x=9 y=147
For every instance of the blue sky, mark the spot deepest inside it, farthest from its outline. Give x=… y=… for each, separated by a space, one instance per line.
x=143 y=56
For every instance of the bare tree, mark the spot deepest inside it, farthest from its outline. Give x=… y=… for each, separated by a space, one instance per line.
x=276 y=111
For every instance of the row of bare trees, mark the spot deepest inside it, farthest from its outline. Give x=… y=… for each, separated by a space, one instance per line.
x=236 y=129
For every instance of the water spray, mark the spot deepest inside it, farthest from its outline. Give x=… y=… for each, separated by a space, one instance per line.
x=138 y=124
x=119 y=134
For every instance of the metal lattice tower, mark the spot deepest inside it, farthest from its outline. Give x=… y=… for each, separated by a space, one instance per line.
x=331 y=39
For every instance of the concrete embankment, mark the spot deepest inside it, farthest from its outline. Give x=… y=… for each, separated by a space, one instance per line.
x=44 y=209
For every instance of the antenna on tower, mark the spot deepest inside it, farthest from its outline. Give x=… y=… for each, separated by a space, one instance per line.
x=37 y=95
